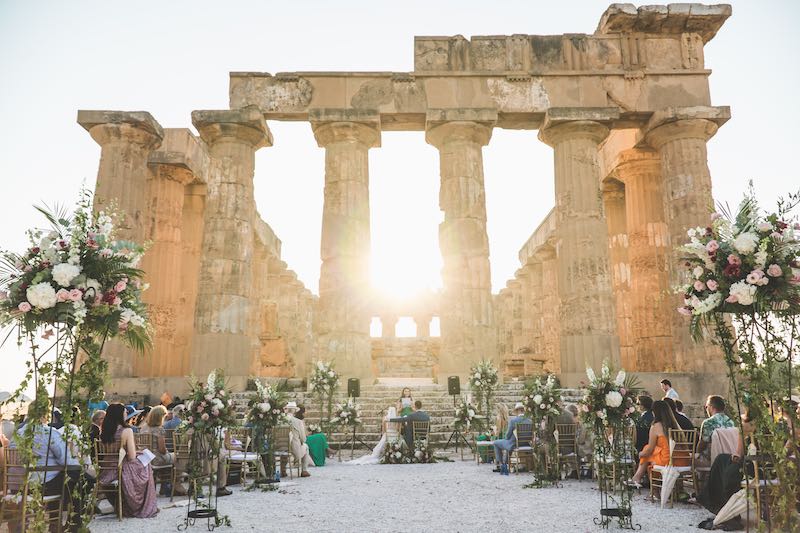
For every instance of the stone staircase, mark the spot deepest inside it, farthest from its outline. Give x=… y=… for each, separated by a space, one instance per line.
x=375 y=399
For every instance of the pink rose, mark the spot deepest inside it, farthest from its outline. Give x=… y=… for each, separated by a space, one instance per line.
x=190 y=420
x=734 y=259
x=686 y=311
x=27 y=268
x=699 y=286
x=120 y=286
x=623 y=391
x=795 y=280
x=123 y=326
x=732 y=299
x=712 y=246
x=98 y=300
x=775 y=235
x=204 y=416
x=199 y=409
x=715 y=216
x=215 y=411
x=3 y=295
x=75 y=295
x=712 y=285
x=774 y=270
x=754 y=276
x=117 y=300
x=62 y=295
x=24 y=307
x=106 y=252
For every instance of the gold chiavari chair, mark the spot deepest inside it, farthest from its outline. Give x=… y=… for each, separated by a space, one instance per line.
x=15 y=495
x=523 y=437
x=281 y=448
x=682 y=457
x=109 y=459
x=567 y=441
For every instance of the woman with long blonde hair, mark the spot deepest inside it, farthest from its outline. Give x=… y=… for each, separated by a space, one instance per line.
x=501 y=422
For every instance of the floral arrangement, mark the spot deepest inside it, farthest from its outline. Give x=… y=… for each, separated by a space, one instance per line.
x=395 y=453
x=313 y=429
x=265 y=407
x=482 y=381
x=422 y=452
x=324 y=379
x=348 y=413
x=607 y=401
x=749 y=262
x=76 y=273
x=542 y=399
x=210 y=406
x=466 y=417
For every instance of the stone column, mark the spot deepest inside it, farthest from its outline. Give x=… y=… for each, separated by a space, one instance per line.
x=614 y=207
x=224 y=306
x=551 y=304
x=535 y=310
x=467 y=323
x=194 y=204
x=648 y=253
x=126 y=140
x=179 y=162
x=389 y=326
x=587 y=316
x=680 y=136
x=343 y=322
x=423 y=323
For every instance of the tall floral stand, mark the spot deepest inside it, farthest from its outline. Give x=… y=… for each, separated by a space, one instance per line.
x=203 y=472
x=613 y=464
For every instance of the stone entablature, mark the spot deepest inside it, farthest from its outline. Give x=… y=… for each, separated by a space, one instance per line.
x=627 y=112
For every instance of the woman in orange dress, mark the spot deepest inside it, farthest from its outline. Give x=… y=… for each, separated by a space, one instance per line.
x=656 y=452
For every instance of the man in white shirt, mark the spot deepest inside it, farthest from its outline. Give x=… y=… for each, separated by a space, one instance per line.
x=669 y=392
x=297 y=440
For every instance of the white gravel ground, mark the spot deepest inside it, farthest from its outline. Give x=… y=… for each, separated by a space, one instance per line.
x=442 y=497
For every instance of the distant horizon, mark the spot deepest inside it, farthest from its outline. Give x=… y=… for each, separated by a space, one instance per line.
x=172 y=58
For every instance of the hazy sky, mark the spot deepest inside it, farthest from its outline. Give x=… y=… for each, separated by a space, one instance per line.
x=170 y=58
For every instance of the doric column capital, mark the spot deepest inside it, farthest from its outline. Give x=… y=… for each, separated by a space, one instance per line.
x=181 y=157
x=635 y=162
x=565 y=123
x=674 y=123
x=612 y=189
x=133 y=127
x=345 y=125
x=247 y=125
x=448 y=125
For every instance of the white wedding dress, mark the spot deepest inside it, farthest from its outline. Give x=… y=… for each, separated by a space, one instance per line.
x=377 y=452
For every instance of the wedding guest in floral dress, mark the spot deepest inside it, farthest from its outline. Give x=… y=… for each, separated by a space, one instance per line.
x=138 y=488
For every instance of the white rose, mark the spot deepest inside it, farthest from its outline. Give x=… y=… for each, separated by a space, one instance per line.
x=331 y=373
x=744 y=292
x=471 y=413
x=746 y=242
x=613 y=399
x=764 y=226
x=543 y=406
x=41 y=295
x=698 y=271
x=537 y=398
x=64 y=273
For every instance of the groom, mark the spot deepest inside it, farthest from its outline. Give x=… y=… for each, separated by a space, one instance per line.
x=510 y=442
x=417 y=415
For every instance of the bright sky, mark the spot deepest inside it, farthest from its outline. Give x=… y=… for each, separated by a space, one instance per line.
x=170 y=58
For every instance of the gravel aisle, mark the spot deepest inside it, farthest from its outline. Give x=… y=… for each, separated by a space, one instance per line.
x=442 y=497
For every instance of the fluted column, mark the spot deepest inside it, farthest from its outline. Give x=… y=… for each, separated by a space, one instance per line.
x=648 y=253
x=535 y=297
x=423 y=323
x=178 y=163
x=223 y=337
x=680 y=136
x=389 y=326
x=614 y=207
x=467 y=324
x=343 y=321
x=192 y=228
x=126 y=140
x=587 y=313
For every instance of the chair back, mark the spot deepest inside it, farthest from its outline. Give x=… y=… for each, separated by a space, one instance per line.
x=181 y=445
x=420 y=429
x=523 y=433
x=15 y=479
x=567 y=438
x=684 y=440
x=169 y=439
x=108 y=457
x=143 y=441
x=281 y=436
x=243 y=435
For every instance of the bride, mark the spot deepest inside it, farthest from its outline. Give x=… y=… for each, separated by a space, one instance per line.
x=389 y=430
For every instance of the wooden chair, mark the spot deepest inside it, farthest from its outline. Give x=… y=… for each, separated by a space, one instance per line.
x=242 y=461
x=183 y=455
x=108 y=459
x=420 y=430
x=281 y=448
x=483 y=449
x=681 y=458
x=567 y=443
x=523 y=439
x=14 y=495
x=161 y=473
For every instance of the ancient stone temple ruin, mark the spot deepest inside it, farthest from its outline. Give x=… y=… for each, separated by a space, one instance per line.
x=627 y=111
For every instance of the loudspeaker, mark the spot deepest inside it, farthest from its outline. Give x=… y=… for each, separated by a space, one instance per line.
x=353 y=388
x=453 y=386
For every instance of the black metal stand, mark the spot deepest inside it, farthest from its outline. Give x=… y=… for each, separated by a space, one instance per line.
x=202 y=507
x=352 y=441
x=615 y=495
x=456 y=437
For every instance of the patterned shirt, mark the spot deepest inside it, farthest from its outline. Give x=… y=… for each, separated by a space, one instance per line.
x=718 y=420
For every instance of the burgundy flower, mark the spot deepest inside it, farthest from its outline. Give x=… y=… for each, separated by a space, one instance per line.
x=732 y=271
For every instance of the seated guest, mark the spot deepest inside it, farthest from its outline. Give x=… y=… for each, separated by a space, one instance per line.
x=656 y=452
x=645 y=406
x=155 y=427
x=566 y=417
x=97 y=422
x=138 y=488
x=50 y=449
x=715 y=408
x=297 y=440
x=166 y=399
x=416 y=415
x=683 y=420
x=510 y=442
x=177 y=417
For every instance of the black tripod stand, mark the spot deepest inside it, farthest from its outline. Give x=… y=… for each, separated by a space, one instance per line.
x=352 y=441
x=456 y=437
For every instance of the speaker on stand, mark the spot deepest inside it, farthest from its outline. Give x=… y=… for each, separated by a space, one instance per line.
x=353 y=391
x=454 y=389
